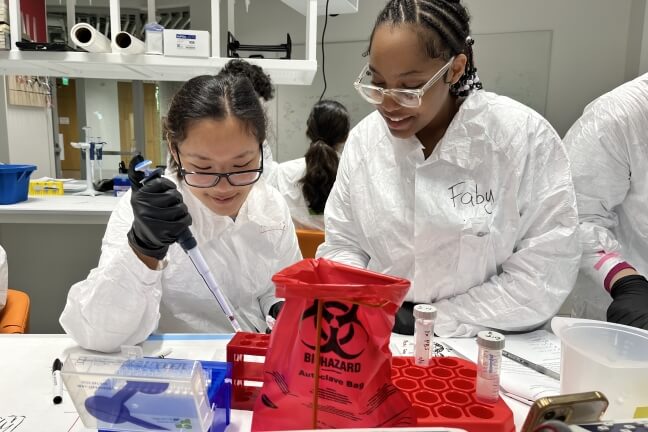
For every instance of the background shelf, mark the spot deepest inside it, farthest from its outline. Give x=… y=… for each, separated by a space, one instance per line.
x=142 y=66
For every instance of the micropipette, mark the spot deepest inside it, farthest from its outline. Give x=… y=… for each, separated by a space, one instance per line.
x=189 y=244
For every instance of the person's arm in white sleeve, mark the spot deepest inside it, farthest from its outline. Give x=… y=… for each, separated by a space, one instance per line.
x=288 y=253
x=600 y=145
x=540 y=273
x=341 y=239
x=118 y=304
x=601 y=172
x=4 y=278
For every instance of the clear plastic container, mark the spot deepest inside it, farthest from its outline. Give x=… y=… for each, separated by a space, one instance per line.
x=489 y=366
x=140 y=394
x=606 y=357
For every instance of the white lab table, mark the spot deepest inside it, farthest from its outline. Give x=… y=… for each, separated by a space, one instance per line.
x=51 y=243
x=26 y=383
x=60 y=209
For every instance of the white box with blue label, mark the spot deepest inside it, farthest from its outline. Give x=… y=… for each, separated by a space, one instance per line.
x=186 y=43
x=142 y=394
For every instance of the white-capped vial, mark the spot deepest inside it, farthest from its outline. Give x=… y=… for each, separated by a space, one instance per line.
x=424 y=316
x=489 y=365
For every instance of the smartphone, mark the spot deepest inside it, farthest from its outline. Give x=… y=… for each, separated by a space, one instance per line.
x=570 y=408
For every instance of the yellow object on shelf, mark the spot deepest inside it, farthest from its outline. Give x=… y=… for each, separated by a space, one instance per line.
x=45 y=187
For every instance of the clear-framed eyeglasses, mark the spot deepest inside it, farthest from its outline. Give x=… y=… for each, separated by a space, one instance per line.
x=207 y=180
x=410 y=98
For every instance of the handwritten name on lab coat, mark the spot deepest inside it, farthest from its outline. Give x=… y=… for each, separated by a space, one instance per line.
x=468 y=198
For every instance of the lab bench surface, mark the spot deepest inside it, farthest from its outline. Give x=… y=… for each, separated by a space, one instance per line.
x=27 y=381
x=62 y=209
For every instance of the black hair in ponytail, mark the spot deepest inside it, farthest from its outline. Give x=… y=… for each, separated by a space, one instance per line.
x=327 y=126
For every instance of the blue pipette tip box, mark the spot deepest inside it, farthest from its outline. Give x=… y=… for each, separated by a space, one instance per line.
x=143 y=394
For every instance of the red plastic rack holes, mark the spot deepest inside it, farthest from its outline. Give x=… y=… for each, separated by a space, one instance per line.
x=443 y=394
x=242 y=345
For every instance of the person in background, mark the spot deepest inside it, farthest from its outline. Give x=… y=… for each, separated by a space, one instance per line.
x=145 y=282
x=465 y=193
x=305 y=183
x=608 y=148
x=262 y=84
x=4 y=278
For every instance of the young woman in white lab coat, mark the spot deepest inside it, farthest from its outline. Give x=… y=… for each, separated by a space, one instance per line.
x=144 y=281
x=306 y=182
x=608 y=147
x=465 y=193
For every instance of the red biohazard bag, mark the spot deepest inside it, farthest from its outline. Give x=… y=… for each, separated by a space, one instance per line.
x=341 y=378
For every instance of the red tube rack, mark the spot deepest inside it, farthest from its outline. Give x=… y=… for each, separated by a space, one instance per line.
x=246 y=344
x=443 y=394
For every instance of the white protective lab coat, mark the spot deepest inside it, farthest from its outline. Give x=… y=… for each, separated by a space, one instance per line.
x=608 y=148
x=286 y=179
x=4 y=278
x=269 y=164
x=485 y=228
x=123 y=301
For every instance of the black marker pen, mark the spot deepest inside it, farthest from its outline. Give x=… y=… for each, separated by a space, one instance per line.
x=56 y=381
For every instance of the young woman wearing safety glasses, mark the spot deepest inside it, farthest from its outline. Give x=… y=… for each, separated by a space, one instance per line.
x=464 y=192
x=145 y=281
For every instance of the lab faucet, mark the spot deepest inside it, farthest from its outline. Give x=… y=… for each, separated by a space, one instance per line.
x=85 y=148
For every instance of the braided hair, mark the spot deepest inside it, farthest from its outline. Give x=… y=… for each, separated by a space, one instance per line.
x=443 y=26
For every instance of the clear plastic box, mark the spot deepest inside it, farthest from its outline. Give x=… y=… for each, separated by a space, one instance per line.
x=140 y=394
x=606 y=357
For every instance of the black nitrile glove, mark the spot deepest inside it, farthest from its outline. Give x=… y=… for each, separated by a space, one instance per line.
x=274 y=312
x=404 y=322
x=160 y=216
x=275 y=309
x=135 y=177
x=630 y=304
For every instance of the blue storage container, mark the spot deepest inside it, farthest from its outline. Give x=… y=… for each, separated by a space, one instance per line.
x=14 y=182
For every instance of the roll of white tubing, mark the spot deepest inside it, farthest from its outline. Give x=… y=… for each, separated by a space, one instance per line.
x=126 y=43
x=89 y=38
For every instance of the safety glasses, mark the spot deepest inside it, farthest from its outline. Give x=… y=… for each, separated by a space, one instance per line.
x=410 y=98
x=207 y=180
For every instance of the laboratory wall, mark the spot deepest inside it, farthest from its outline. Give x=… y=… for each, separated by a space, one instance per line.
x=26 y=136
x=588 y=55
x=102 y=116
x=643 y=64
x=635 y=39
x=554 y=56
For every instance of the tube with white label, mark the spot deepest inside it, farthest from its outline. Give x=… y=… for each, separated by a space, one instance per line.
x=489 y=366
x=424 y=316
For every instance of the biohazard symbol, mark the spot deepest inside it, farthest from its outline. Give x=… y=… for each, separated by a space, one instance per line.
x=342 y=333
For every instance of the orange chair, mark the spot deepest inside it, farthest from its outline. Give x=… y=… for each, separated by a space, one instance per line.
x=308 y=241
x=15 y=315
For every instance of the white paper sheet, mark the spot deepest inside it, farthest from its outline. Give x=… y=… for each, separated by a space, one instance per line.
x=518 y=381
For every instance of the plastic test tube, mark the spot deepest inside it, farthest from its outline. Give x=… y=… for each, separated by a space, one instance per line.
x=489 y=365
x=424 y=316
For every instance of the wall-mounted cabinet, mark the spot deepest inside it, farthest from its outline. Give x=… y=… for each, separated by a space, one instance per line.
x=151 y=67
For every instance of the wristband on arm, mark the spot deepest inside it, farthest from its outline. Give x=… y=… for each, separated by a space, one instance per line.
x=609 y=265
